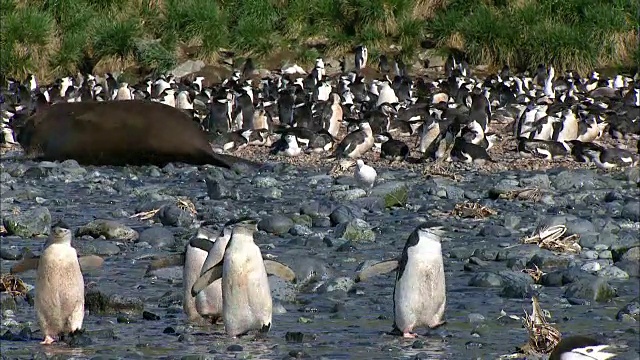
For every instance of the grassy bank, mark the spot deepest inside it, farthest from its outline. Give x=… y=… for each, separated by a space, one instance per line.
x=55 y=37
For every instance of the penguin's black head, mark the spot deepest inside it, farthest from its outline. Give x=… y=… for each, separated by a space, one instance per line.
x=61 y=224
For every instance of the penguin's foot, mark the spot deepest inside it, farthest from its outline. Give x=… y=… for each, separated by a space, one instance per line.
x=409 y=335
x=48 y=340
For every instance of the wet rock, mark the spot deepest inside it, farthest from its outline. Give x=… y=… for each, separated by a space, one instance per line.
x=613 y=272
x=158 y=237
x=234 y=348
x=494 y=231
x=485 y=254
x=343 y=214
x=394 y=193
x=309 y=268
x=632 y=268
x=316 y=209
x=28 y=223
x=632 y=254
x=305 y=220
x=7 y=253
x=282 y=290
x=296 y=337
x=97 y=302
x=173 y=215
x=7 y=302
x=511 y=221
x=355 y=230
x=631 y=211
x=516 y=285
x=276 y=224
x=344 y=284
x=264 y=182
x=578 y=180
x=95 y=247
x=147 y=315
x=347 y=195
x=218 y=189
x=486 y=279
x=592 y=288
x=545 y=259
x=630 y=312
x=109 y=229
x=461 y=252
x=580 y=226
x=540 y=181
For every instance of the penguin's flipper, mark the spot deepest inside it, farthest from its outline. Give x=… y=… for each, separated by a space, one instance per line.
x=165 y=262
x=280 y=270
x=202 y=244
x=209 y=276
x=25 y=265
x=90 y=262
x=382 y=267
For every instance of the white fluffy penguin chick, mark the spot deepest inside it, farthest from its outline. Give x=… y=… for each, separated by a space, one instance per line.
x=292 y=146
x=365 y=175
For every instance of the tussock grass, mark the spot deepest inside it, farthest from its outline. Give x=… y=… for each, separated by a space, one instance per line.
x=56 y=37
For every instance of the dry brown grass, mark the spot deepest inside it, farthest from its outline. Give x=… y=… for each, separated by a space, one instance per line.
x=472 y=210
x=12 y=285
x=543 y=337
x=455 y=41
x=426 y=9
x=624 y=45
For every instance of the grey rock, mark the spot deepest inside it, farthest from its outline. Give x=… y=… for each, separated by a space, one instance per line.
x=264 y=182
x=187 y=67
x=276 y=224
x=305 y=220
x=460 y=252
x=7 y=302
x=10 y=253
x=632 y=254
x=605 y=254
x=157 y=237
x=394 y=193
x=300 y=230
x=486 y=279
x=282 y=290
x=100 y=248
x=172 y=215
x=591 y=288
x=590 y=254
x=109 y=229
x=516 y=285
x=355 y=230
x=633 y=175
x=494 y=231
x=511 y=221
x=632 y=268
x=580 y=226
x=339 y=284
x=486 y=254
x=545 y=259
x=100 y=303
x=613 y=272
x=343 y=214
x=521 y=251
x=28 y=223
x=316 y=208
x=630 y=312
x=631 y=211
x=347 y=195
x=217 y=189
x=308 y=268
x=576 y=180
x=540 y=181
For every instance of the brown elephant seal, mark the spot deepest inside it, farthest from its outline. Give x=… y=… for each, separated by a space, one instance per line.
x=118 y=133
x=59 y=298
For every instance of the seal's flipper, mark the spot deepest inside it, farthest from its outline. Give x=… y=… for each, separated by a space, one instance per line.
x=280 y=270
x=202 y=244
x=165 y=262
x=90 y=262
x=25 y=265
x=382 y=267
x=209 y=276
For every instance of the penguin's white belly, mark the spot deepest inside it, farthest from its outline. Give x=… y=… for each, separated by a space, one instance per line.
x=59 y=299
x=194 y=259
x=419 y=297
x=247 y=303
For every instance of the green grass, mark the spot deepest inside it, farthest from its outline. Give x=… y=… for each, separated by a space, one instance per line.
x=56 y=37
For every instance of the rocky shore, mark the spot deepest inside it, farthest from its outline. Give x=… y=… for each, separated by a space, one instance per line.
x=326 y=228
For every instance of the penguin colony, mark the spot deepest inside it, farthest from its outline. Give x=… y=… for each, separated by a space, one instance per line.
x=455 y=118
x=225 y=276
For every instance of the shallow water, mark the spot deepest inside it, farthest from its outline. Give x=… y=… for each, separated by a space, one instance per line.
x=357 y=332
